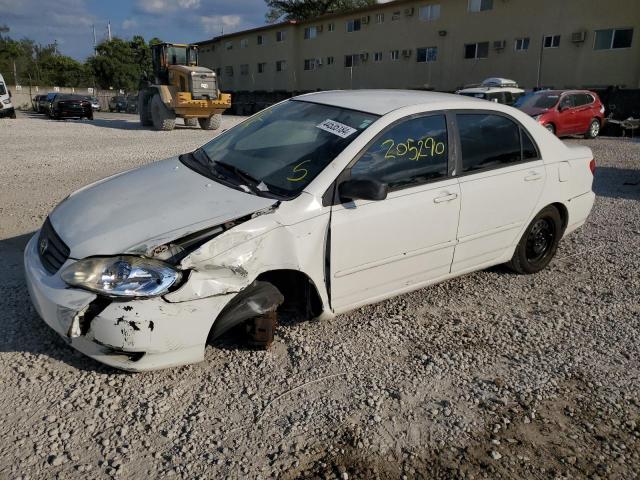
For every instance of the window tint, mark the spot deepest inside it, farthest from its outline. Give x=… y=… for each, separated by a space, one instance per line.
x=529 y=150
x=408 y=154
x=488 y=141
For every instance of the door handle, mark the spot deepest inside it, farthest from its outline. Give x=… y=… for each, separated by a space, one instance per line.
x=532 y=177
x=445 y=198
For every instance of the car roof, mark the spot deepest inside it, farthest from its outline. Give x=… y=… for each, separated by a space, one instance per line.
x=381 y=102
x=560 y=92
x=491 y=90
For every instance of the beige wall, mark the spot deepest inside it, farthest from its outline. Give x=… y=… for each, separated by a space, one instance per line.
x=570 y=65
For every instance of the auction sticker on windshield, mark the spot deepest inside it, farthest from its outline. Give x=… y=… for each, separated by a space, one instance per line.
x=336 y=128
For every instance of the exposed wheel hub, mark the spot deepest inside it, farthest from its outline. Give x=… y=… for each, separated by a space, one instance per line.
x=540 y=239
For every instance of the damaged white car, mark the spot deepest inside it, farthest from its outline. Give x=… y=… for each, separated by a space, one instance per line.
x=315 y=206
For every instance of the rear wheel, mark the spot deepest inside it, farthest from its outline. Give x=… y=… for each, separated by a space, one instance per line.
x=144 y=111
x=594 y=129
x=191 y=122
x=163 y=118
x=539 y=242
x=211 y=123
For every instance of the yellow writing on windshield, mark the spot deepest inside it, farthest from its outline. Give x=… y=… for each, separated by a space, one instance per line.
x=302 y=172
x=415 y=150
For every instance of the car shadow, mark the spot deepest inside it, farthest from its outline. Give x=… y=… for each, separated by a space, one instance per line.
x=23 y=330
x=621 y=183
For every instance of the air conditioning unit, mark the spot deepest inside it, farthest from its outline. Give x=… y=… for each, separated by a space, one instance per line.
x=579 y=37
x=364 y=57
x=364 y=20
x=406 y=53
x=499 y=44
x=409 y=11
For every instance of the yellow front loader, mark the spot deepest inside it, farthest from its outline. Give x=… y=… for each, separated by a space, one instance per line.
x=182 y=89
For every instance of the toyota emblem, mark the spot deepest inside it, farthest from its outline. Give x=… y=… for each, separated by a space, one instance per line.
x=44 y=244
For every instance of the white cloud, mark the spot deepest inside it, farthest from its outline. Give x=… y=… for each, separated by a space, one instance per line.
x=216 y=23
x=189 y=3
x=159 y=7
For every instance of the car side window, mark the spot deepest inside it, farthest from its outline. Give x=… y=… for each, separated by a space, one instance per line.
x=489 y=141
x=408 y=154
x=567 y=101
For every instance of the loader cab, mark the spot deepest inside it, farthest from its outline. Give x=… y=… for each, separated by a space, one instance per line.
x=165 y=55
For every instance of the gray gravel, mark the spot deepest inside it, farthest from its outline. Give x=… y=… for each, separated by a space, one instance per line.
x=492 y=375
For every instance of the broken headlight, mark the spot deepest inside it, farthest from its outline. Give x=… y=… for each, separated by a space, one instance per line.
x=121 y=276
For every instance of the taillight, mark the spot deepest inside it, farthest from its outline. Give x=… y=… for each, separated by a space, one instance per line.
x=592 y=166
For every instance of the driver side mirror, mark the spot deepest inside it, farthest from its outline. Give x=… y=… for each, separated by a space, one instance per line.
x=363 y=190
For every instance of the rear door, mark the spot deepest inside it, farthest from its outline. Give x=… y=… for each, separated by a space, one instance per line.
x=567 y=119
x=501 y=180
x=380 y=248
x=584 y=114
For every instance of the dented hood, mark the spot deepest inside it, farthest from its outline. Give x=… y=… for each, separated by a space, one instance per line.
x=142 y=208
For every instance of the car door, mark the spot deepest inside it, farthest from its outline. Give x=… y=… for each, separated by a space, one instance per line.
x=567 y=115
x=501 y=180
x=583 y=106
x=381 y=248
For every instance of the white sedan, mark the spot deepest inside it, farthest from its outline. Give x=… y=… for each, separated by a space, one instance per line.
x=317 y=205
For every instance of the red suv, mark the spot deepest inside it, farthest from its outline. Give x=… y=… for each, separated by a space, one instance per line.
x=565 y=112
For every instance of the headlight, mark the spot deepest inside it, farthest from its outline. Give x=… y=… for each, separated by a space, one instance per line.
x=7 y=101
x=121 y=276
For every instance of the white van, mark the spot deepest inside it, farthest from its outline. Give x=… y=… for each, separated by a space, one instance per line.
x=6 y=107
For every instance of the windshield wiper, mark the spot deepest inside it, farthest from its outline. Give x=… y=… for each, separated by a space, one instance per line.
x=253 y=183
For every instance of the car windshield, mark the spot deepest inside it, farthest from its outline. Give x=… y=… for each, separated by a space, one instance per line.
x=280 y=150
x=537 y=100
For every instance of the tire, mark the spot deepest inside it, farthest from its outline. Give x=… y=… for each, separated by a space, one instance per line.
x=211 y=123
x=550 y=127
x=90 y=116
x=144 y=112
x=594 y=129
x=191 y=122
x=539 y=242
x=163 y=118
x=13 y=115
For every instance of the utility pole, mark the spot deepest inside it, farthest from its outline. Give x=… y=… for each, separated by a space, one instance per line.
x=539 y=79
x=109 y=30
x=15 y=74
x=93 y=27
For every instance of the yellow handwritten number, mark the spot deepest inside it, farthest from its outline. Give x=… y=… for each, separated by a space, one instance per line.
x=303 y=172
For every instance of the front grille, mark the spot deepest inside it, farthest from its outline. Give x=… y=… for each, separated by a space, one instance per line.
x=52 y=250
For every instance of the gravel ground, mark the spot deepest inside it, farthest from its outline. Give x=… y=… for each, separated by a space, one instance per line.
x=492 y=375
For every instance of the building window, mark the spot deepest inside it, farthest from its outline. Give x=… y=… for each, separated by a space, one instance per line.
x=331 y=27
x=379 y=17
x=281 y=65
x=330 y=60
x=521 y=44
x=228 y=45
x=476 y=50
x=480 y=5
x=352 y=60
x=395 y=54
x=427 y=54
x=377 y=57
x=280 y=36
x=613 y=38
x=310 y=64
x=262 y=67
x=244 y=43
x=354 y=25
x=429 y=12
x=310 y=32
x=551 y=41
x=244 y=69
x=395 y=16
x=260 y=40
x=228 y=71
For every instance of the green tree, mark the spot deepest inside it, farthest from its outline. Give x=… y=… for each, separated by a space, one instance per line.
x=120 y=64
x=306 y=9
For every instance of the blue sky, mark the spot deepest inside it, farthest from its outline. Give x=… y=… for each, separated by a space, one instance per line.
x=69 y=22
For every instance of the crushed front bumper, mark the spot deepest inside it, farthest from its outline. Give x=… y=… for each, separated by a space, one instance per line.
x=135 y=335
